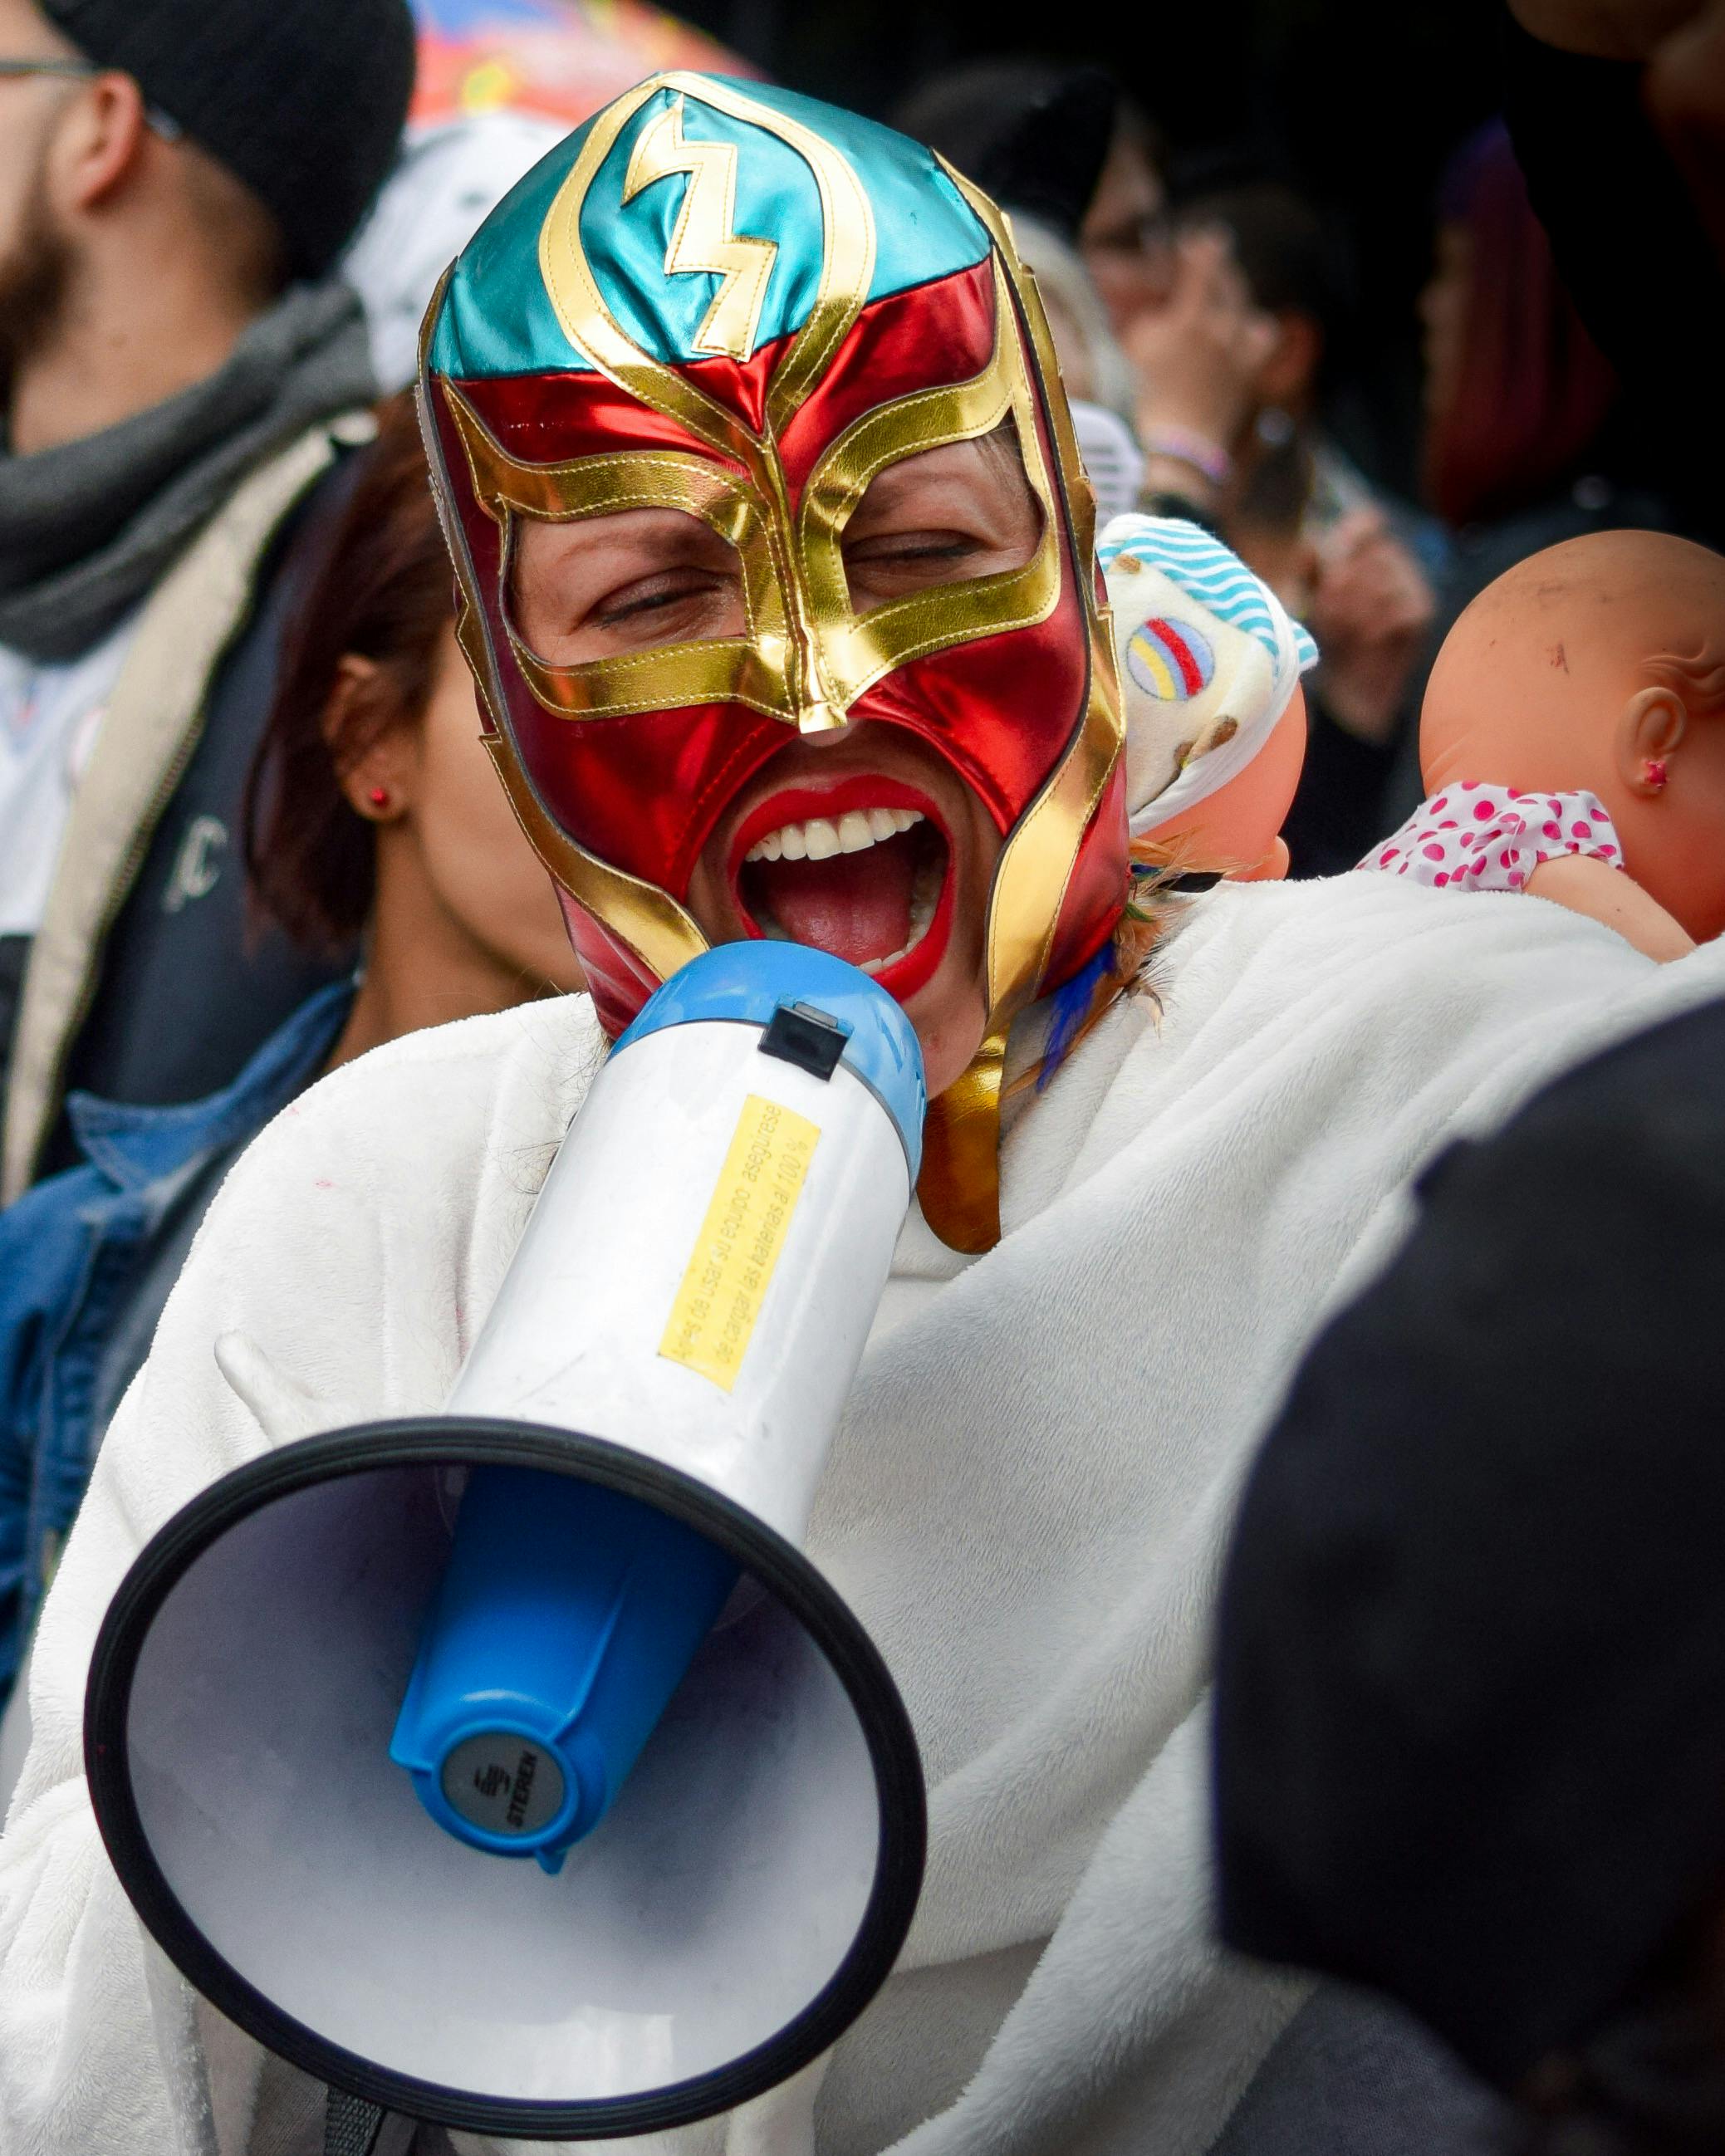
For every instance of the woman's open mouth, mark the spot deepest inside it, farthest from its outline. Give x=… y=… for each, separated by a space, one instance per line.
x=861 y=869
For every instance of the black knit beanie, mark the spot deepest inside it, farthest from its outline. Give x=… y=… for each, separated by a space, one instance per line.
x=303 y=100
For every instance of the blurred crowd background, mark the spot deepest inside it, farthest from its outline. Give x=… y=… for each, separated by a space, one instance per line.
x=1356 y=105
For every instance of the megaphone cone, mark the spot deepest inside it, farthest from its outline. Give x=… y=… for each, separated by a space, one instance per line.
x=338 y=1692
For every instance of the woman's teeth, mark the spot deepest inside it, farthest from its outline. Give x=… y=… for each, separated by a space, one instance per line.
x=925 y=897
x=820 y=838
x=801 y=886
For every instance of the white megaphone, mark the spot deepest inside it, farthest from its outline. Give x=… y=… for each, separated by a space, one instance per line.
x=341 y=1696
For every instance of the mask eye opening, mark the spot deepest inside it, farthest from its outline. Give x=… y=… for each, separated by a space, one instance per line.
x=625 y=644
x=1004 y=466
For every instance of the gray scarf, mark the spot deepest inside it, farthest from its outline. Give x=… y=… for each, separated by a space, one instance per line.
x=86 y=529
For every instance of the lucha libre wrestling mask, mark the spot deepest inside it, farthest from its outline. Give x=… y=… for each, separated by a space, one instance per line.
x=726 y=300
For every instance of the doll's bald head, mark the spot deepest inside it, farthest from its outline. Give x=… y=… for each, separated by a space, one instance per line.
x=1601 y=664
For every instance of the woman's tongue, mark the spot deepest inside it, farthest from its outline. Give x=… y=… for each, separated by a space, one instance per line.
x=856 y=905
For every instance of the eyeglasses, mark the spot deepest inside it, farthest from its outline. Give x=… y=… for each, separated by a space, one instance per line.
x=158 y=122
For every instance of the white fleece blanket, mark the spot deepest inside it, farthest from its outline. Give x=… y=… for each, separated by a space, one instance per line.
x=1026 y=1505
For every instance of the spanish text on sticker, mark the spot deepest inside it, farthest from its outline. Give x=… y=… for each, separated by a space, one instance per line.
x=738 y=1248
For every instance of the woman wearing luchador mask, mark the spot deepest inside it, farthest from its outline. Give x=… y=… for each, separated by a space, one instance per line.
x=782 y=596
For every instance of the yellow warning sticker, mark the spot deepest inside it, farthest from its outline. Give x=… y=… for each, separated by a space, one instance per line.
x=714 y=1316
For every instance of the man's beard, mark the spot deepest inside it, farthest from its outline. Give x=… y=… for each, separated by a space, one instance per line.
x=35 y=278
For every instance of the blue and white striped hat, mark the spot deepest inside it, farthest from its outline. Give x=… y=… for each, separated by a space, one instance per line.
x=1208 y=658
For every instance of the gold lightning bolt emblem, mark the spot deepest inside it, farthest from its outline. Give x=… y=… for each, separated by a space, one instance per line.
x=706 y=240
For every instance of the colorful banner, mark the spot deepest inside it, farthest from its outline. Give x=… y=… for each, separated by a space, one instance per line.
x=561 y=58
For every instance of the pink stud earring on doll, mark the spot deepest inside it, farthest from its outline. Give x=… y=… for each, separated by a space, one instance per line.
x=379 y=795
x=1653 y=771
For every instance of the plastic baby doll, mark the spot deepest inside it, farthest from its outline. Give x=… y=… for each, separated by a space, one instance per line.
x=1573 y=741
x=1216 y=719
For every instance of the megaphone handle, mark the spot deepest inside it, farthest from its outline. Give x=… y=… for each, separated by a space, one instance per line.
x=352 y=2126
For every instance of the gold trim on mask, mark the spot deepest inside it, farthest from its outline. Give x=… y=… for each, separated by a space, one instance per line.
x=847 y=218
x=959 y=1186
x=847 y=267
x=1036 y=864
x=705 y=240
x=858 y=650
x=747 y=670
x=580 y=307
x=646 y=918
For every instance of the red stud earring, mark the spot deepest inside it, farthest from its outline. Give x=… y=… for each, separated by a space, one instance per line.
x=379 y=796
x=1653 y=771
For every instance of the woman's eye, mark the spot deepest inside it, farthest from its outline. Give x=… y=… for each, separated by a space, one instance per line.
x=921 y=556
x=897 y=564
x=652 y=596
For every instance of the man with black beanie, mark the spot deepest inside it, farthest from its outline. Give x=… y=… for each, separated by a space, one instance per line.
x=180 y=373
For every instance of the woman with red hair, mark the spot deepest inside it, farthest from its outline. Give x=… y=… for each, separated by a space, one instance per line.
x=1524 y=447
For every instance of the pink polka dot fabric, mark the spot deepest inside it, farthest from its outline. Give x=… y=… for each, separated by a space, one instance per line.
x=1475 y=837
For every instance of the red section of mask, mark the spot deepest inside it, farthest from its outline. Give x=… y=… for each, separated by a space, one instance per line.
x=616 y=979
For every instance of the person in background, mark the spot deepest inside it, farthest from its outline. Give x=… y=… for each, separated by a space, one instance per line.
x=1645 y=77
x=1521 y=447
x=1098 y=376
x=373 y=819
x=1470 y=1706
x=1039 y=135
x=1067 y=147
x=180 y=377
x=1527 y=442
x=1356 y=568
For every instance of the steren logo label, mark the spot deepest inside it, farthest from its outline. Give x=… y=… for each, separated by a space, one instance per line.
x=504 y=1783
x=520 y=1785
x=522 y=1790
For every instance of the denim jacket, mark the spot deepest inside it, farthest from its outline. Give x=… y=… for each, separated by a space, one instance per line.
x=87 y=1258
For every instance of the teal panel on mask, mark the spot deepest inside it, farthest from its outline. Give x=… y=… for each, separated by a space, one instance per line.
x=497 y=320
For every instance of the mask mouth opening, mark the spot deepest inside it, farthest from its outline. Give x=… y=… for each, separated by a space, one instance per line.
x=869 y=885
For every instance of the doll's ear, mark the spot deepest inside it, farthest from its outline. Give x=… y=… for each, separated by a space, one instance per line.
x=1649 y=734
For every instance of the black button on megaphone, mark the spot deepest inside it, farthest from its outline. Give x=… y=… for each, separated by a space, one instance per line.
x=512 y=1768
